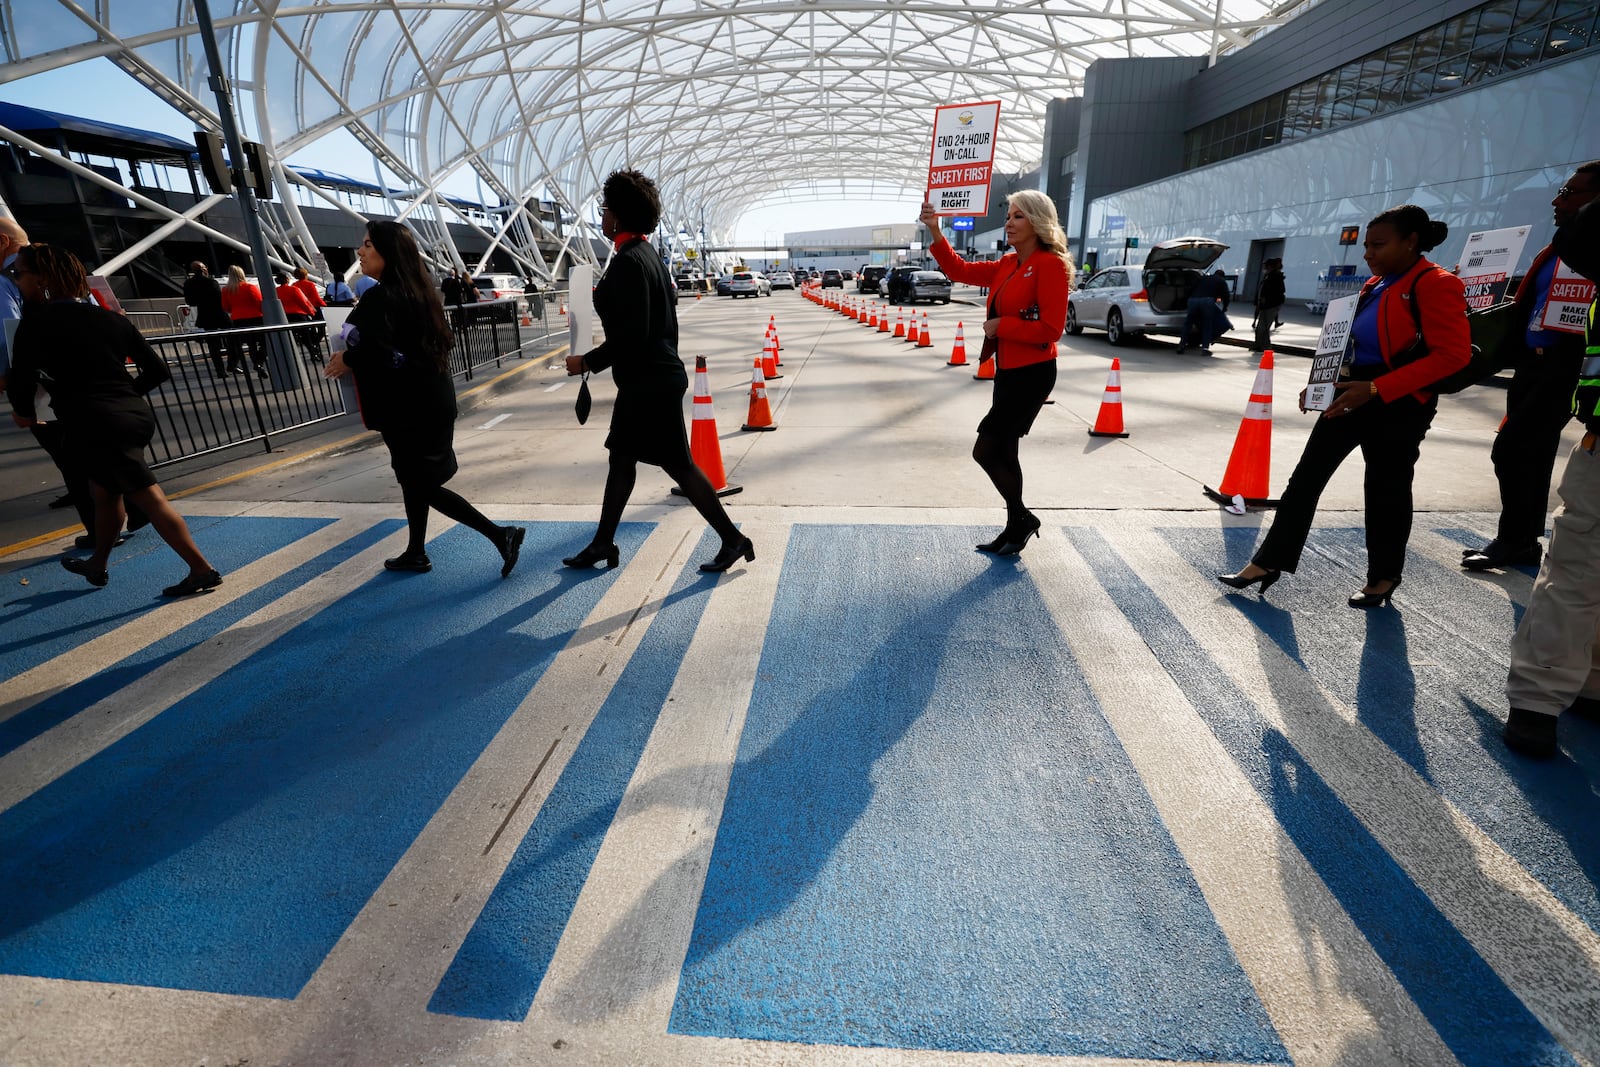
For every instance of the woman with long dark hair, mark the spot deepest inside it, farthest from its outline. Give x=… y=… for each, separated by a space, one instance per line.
x=1410 y=330
x=1027 y=314
x=80 y=351
x=634 y=299
x=399 y=348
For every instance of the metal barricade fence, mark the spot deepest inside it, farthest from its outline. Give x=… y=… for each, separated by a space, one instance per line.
x=151 y=323
x=231 y=387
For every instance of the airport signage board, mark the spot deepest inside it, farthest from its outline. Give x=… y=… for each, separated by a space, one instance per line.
x=1571 y=294
x=963 y=223
x=961 y=161
x=1486 y=263
x=1329 y=358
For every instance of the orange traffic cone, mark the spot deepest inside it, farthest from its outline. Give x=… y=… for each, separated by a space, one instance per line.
x=1251 y=459
x=923 y=339
x=772 y=324
x=883 y=321
x=704 y=444
x=760 y=416
x=563 y=308
x=872 y=319
x=1109 y=422
x=985 y=371
x=526 y=320
x=958 y=354
x=899 y=322
x=911 y=329
x=769 y=361
x=772 y=339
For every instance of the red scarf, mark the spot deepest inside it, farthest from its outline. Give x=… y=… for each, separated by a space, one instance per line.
x=624 y=237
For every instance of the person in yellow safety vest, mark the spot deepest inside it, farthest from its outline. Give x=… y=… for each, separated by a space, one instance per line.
x=1555 y=655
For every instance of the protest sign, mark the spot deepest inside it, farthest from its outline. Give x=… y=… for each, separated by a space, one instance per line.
x=961 y=162
x=1487 y=260
x=1330 y=352
x=1567 y=310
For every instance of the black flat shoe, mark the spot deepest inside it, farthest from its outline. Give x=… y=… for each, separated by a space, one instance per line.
x=1495 y=555
x=1530 y=733
x=415 y=563
x=1017 y=540
x=592 y=555
x=730 y=555
x=1237 y=580
x=80 y=567
x=1374 y=600
x=510 y=545
x=195 y=583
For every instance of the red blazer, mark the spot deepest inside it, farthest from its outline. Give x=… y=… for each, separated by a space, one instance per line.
x=242 y=303
x=311 y=291
x=1042 y=281
x=1442 y=301
x=294 y=301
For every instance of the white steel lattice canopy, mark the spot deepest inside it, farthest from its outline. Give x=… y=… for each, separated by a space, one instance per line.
x=728 y=103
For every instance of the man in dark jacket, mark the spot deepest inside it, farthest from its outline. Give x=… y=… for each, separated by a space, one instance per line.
x=1553 y=655
x=201 y=292
x=1269 y=302
x=1538 y=403
x=1208 y=308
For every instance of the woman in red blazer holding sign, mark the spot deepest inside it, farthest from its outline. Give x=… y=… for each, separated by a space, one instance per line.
x=1027 y=314
x=1409 y=331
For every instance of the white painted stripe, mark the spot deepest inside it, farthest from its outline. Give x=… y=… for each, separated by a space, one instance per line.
x=651 y=869
x=496 y=421
x=553 y=388
x=31 y=766
x=1543 y=952
x=416 y=920
x=23 y=691
x=1319 y=979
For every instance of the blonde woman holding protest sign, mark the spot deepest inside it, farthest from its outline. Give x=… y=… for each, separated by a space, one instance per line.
x=1027 y=313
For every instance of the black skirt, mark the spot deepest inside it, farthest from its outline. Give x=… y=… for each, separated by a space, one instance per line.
x=109 y=446
x=423 y=453
x=1019 y=393
x=647 y=424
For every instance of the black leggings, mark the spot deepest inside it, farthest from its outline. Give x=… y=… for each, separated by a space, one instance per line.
x=450 y=504
x=620 y=478
x=998 y=458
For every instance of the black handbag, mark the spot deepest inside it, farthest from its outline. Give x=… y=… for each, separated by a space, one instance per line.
x=1494 y=344
x=584 y=402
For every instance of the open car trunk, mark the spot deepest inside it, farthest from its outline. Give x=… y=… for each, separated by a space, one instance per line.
x=1173 y=268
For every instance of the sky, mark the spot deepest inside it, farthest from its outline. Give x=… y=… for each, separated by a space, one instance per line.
x=84 y=89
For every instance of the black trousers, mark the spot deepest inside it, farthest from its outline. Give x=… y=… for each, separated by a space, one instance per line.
x=1538 y=405
x=1390 y=438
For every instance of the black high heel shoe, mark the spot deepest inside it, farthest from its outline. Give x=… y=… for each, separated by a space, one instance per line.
x=730 y=555
x=80 y=567
x=1238 y=581
x=594 y=554
x=1374 y=600
x=1016 y=541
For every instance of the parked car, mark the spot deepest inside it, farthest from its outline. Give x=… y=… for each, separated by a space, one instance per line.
x=781 y=279
x=929 y=285
x=723 y=281
x=1130 y=300
x=497 y=287
x=848 y=275
x=749 y=283
x=896 y=285
x=690 y=280
x=832 y=279
x=867 y=278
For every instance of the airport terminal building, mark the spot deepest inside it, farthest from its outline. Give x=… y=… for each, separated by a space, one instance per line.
x=1477 y=111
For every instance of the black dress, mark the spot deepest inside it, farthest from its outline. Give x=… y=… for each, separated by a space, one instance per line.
x=634 y=302
x=79 y=352
x=404 y=395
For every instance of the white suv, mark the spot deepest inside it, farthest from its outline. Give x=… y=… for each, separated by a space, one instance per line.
x=749 y=283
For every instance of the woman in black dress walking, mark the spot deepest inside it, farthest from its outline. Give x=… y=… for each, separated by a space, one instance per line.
x=80 y=352
x=634 y=301
x=399 y=348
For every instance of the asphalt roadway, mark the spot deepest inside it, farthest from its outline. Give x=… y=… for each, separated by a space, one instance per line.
x=874 y=798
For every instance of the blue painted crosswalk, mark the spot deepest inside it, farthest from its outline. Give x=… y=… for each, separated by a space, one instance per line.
x=927 y=834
